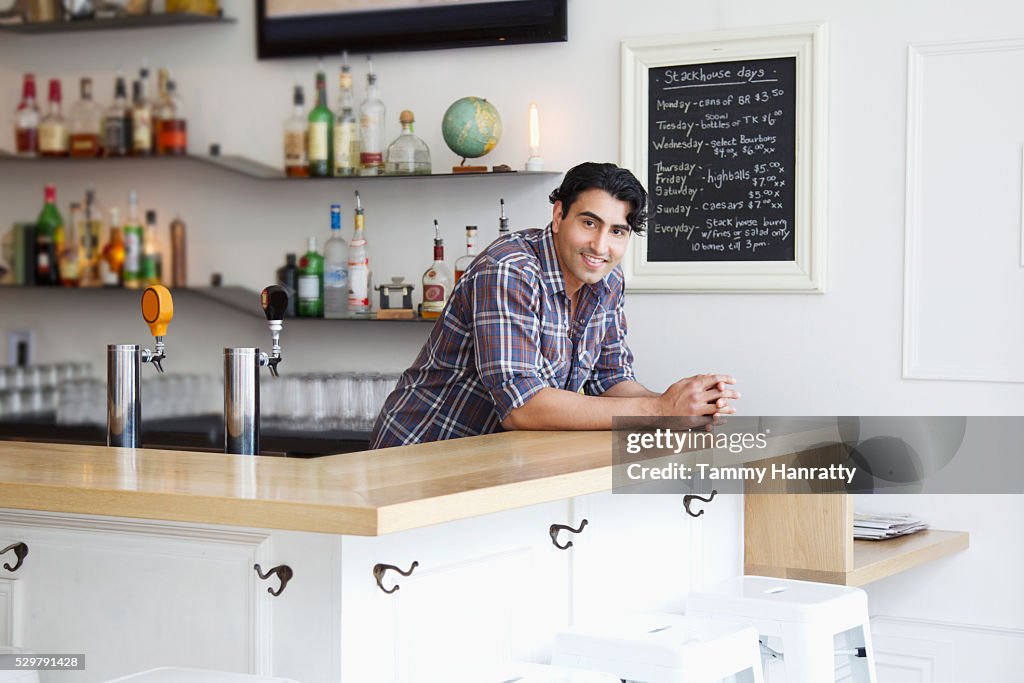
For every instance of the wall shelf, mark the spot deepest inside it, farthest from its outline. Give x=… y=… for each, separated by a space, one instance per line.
x=255 y=169
x=111 y=23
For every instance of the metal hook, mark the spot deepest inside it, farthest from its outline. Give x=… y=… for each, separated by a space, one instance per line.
x=380 y=569
x=284 y=573
x=555 y=528
x=20 y=551
x=687 y=499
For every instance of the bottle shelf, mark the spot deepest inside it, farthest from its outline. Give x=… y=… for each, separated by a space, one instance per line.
x=255 y=169
x=125 y=22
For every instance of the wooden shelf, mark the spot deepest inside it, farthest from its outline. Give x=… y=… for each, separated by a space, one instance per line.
x=112 y=23
x=255 y=169
x=874 y=560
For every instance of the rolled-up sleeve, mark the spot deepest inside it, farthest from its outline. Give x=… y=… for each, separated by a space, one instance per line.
x=615 y=361
x=507 y=335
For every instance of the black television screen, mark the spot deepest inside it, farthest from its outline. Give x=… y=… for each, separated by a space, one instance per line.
x=291 y=28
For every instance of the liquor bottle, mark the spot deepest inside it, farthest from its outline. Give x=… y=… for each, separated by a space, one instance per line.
x=142 y=116
x=288 y=277
x=296 y=163
x=90 y=233
x=335 y=269
x=173 y=140
x=53 y=128
x=179 y=265
x=311 y=283
x=407 y=154
x=359 y=265
x=346 y=127
x=321 y=131
x=85 y=124
x=162 y=76
x=462 y=264
x=112 y=260
x=151 y=266
x=371 y=128
x=117 y=123
x=26 y=120
x=70 y=255
x=437 y=280
x=49 y=223
x=131 y=272
x=503 y=230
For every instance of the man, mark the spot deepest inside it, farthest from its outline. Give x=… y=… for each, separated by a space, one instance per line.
x=533 y=336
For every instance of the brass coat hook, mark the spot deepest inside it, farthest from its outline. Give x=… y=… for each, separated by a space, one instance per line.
x=284 y=573
x=20 y=551
x=690 y=497
x=380 y=569
x=554 y=529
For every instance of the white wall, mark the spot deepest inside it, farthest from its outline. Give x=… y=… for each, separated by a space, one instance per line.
x=837 y=353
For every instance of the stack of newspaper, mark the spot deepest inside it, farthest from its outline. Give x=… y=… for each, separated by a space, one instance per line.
x=879 y=526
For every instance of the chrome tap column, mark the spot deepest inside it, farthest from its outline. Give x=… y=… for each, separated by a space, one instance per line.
x=124 y=403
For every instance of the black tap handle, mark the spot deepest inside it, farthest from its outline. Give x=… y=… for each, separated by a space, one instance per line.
x=275 y=302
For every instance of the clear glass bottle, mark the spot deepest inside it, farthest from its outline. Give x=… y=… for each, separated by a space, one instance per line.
x=85 y=124
x=462 y=264
x=26 y=120
x=173 y=136
x=335 y=269
x=371 y=127
x=112 y=259
x=346 y=127
x=142 y=116
x=152 y=261
x=407 y=154
x=91 y=234
x=69 y=258
x=131 y=272
x=53 y=128
x=296 y=126
x=321 y=131
x=359 y=277
x=311 y=283
x=117 y=123
x=437 y=280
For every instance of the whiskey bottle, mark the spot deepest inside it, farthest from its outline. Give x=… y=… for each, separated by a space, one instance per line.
x=112 y=259
x=117 y=124
x=346 y=127
x=85 y=124
x=371 y=128
x=53 y=128
x=131 y=272
x=311 y=283
x=462 y=264
x=359 y=265
x=26 y=120
x=296 y=164
x=69 y=258
x=48 y=225
x=142 y=116
x=173 y=135
x=335 y=269
x=90 y=233
x=321 y=131
x=407 y=154
x=162 y=76
x=437 y=280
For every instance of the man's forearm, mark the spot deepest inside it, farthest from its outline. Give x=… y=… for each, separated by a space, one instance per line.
x=555 y=409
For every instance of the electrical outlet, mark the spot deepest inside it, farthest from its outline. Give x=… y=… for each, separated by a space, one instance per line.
x=21 y=347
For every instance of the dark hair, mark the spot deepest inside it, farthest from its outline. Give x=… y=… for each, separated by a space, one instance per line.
x=618 y=182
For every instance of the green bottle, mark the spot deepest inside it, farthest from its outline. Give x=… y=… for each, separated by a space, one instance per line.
x=131 y=271
x=321 y=132
x=311 y=283
x=49 y=238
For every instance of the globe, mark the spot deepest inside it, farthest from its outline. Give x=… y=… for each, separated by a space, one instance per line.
x=471 y=127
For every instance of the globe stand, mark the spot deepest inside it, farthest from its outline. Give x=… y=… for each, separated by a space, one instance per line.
x=462 y=168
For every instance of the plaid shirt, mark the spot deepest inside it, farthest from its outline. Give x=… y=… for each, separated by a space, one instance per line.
x=503 y=336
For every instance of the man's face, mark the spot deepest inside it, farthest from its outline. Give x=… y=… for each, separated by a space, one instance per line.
x=591 y=240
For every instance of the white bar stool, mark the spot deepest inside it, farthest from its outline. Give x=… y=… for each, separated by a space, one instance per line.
x=814 y=622
x=17 y=675
x=175 y=674
x=663 y=648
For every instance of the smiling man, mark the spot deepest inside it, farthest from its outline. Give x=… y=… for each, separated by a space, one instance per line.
x=534 y=335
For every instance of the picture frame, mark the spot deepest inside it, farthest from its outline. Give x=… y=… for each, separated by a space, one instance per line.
x=660 y=261
x=402 y=25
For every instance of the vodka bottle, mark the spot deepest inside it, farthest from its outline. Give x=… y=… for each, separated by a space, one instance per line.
x=335 y=269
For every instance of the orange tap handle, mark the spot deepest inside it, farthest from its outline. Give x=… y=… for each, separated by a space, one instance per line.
x=157 y=309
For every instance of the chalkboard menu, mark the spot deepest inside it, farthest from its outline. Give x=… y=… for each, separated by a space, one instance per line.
x=722 y=157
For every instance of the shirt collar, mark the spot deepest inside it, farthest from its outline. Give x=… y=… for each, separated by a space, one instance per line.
x=553 y=277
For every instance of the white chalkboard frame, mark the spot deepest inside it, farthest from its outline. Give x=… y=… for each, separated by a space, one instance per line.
x=809 y=44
